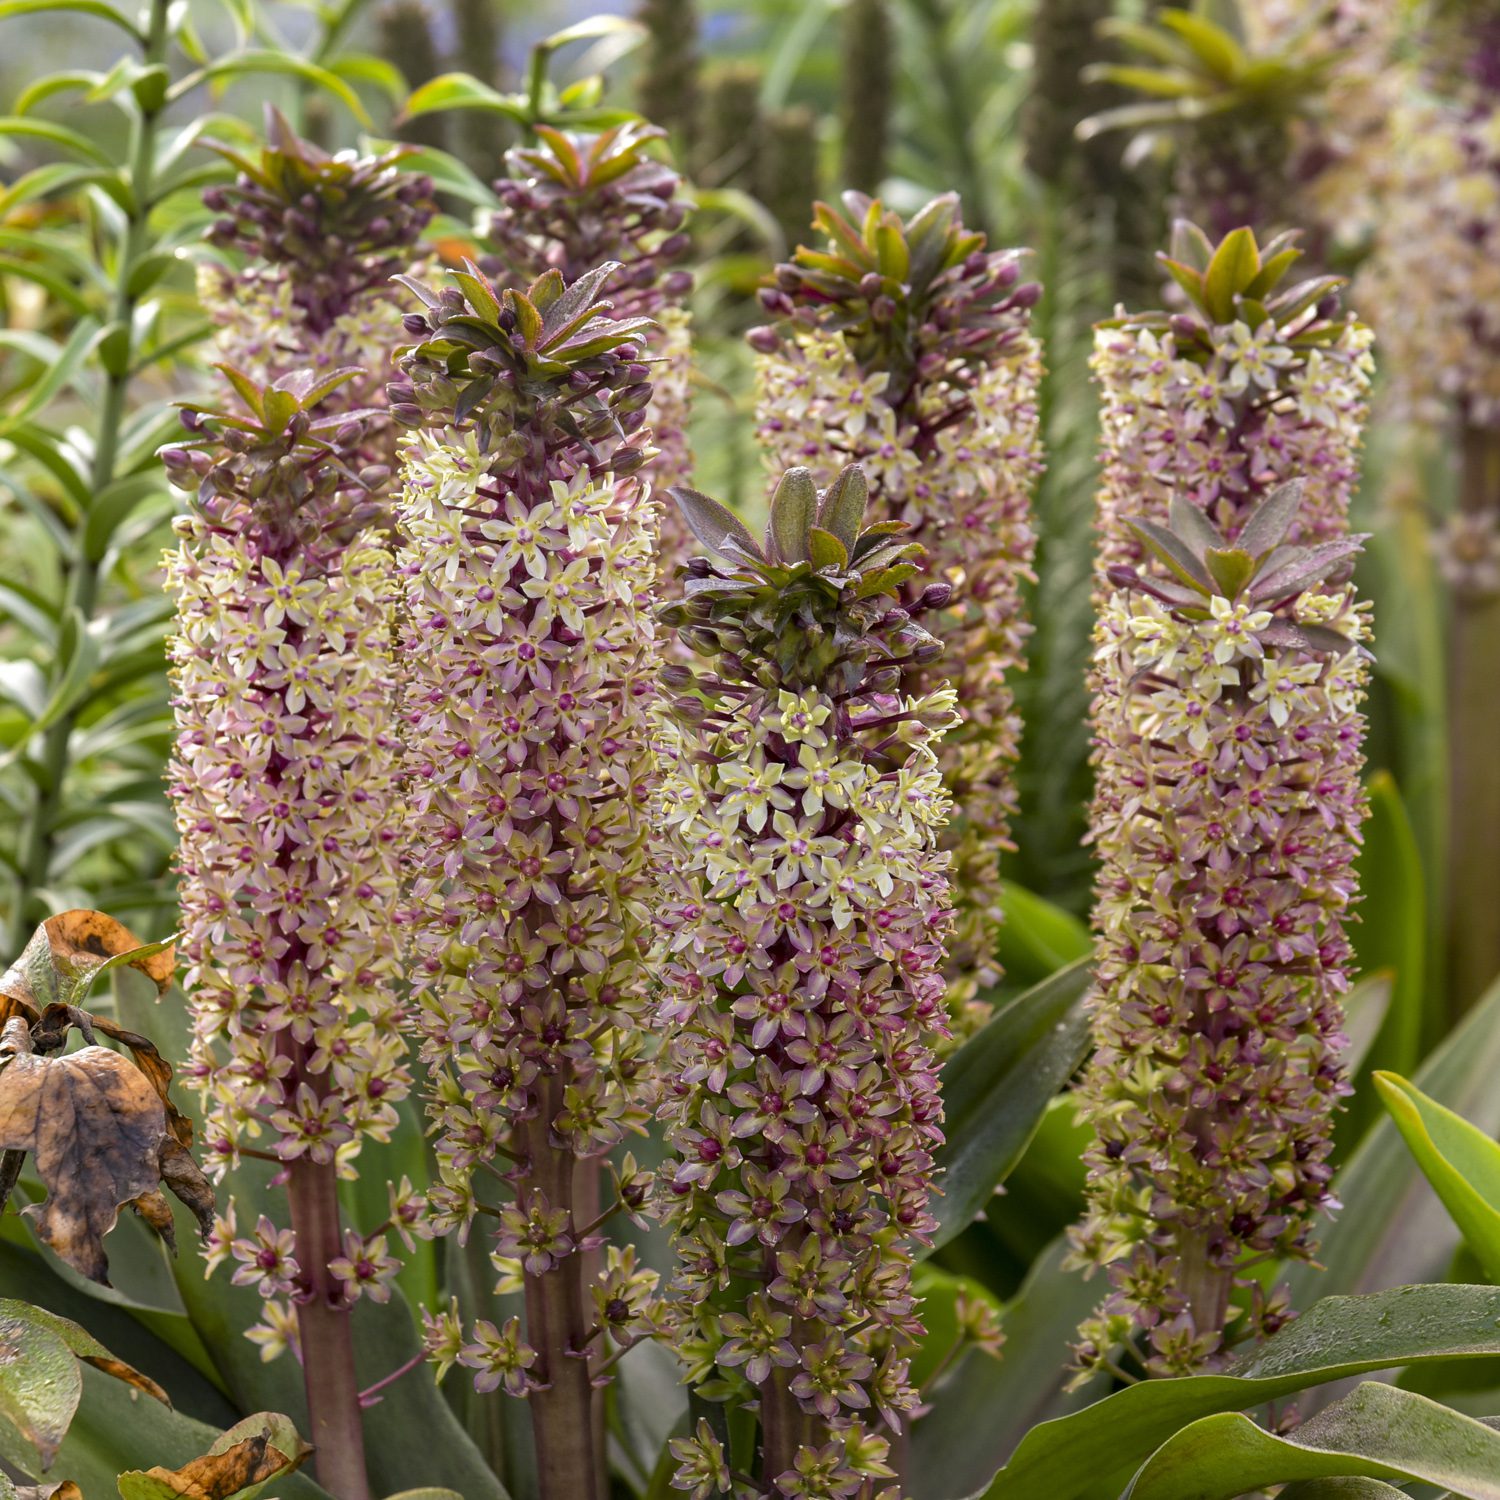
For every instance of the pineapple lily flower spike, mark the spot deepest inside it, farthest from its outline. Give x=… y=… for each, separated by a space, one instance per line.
x=800 y=942
x=526 y=559
x=1228 y=681
x=905 y=344
x=285 y=750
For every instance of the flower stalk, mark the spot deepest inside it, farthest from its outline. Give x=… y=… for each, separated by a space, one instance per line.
x=281 y=779
x=1229 y=671
x=283 y=775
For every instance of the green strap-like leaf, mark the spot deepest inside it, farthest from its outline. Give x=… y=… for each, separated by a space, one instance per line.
x=69 y=363
x=97 y=8
x=57 y=135
x=1391 y=935
x=1378 y=1432
x=1460 y=1161
x=986 y=1406
x=263 y=60
x=461 y=91
x=1344 y=1488
x=997 y=1086
x=1091 y=1454
x=113 y=506
x=1391 y=1228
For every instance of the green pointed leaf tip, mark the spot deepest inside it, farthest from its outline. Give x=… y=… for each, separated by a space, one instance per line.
x=1192 y=527
x=1234 y=267
x=1460 y=1161
x=1230 y=568
x=842 y=508
x=712 y=523
x=793 y=509
x=1173 y=553
x=1271 y=520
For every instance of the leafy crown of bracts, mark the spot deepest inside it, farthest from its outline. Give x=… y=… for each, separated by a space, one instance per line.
x=812 y=605
x=346 y=222
x=1257 y=568
x=911 y=296
x=1238 y=280
x=275 y=467
x=576 y=199
x=526 y=367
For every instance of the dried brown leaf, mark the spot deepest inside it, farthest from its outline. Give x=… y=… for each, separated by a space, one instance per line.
x=68 y=952
x=156 y=1068
x=98 y=1130
x=251 y=1453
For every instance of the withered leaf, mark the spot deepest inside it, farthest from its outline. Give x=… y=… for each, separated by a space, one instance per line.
x=63 y=1489
x=68 y=952
x=49 y=1033
x=98 y=1131
x=82 y=1344
x=250 y=1454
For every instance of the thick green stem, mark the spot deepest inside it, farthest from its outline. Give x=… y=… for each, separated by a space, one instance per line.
x=1204 y=1285
x=784 y=1426
x=323 y=1323
x=38 y=837
x=557 y=1327
x=1473 y=920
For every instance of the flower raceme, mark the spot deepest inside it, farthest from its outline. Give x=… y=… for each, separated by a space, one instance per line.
x=1253 y=384
x=905 y=346
x=283 y=779
x=527 y=550
x=1229 y=678
x=801 y=923
x=573 y=201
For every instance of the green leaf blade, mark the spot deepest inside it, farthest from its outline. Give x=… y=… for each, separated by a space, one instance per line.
x=1460 y=1161
x=1378 y=1432
x=997 y=1087
x=1090 y=1455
